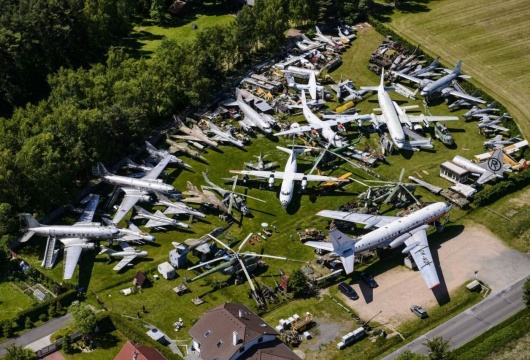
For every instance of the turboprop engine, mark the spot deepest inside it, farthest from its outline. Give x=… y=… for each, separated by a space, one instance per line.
x=401 y=239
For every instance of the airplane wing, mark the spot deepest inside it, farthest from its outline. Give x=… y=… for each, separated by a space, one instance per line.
x=366 y=219
x=124 y=262
x=129 y=200
x=174 y=210
x=345 y=119
x=485 y=177
x=408 y=77
x=420 y=118
x=497 y=127
x=71 y=257
x=90 y=210
x=466 y=96
x=423 y=258
x=320 y=245
x=125 y=246
x=194 y=200
x=157 y=170
x=302 y=176
x=299 y=129
x=155 y=223
x=261 y=174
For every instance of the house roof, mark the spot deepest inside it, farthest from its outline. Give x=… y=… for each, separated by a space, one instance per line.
x=214 y=330
x=272 y=350
x=142 y=352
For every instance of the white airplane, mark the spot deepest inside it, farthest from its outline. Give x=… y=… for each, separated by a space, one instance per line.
x=131 y=233
x=344 y=37
x=395 y=117
x=136 y=189
x=327 y=40
x=75 y=238
x=224 y=136
x=392 y=232
x=251 y=116
x=347 y=86
x=429 y=87
x=260 y=164
x=127 y=255
x=158 y=219
x=289 y=176
x=176 y=207
x=316 y=124
x=162 y=154
x=487 y=170
x=312 y=86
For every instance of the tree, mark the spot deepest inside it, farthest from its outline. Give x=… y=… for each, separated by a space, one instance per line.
x=84 y=318
x=297 y=282
x=67 y=344
x=28 y=324
x=409 y=355
x=8 y=329
x=19 y=353
x=526 y=293
x=439 y=349
x=272 y=20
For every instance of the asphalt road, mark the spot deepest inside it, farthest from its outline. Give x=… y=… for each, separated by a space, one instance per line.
x=474 y=321
x=36 y=334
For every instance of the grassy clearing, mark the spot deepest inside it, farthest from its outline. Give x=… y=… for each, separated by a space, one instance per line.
x=108 y=346
x=490 y=37
x=13 y=300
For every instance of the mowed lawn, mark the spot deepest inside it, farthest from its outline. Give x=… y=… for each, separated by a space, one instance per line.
x=12 y=300
x=491 y=37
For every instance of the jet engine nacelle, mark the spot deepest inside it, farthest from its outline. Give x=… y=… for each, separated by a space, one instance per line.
x=271 y=181
x=304 y=183
x=144 y=198
x=401 y=239
x=424 y=83
x=87 y=246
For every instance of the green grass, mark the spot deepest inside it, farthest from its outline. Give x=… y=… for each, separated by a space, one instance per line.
x=490 y=37
x=13 y=300
x=108 y=346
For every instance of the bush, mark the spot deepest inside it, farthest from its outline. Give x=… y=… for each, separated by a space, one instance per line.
x=43 y=317
x=7 y=329
x=28 y=324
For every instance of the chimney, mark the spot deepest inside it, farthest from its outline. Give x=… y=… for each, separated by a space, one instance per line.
x=235 y=339
x=240 y=313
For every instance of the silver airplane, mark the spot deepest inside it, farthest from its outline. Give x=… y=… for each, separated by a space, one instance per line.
x=492 y=123
x=498 y=141
x=392 y=232
x=129 y=164
x=158 y=219
x=321 y=37
x=127 y=255
x=183 y=147
x=402 y=60
x=161 y=154
x=176 y=207
x=260 y=164
x=136 y=189
x=131 y=233
x=194 y=134
x=475 y=111
x=426 y=71
x=443 y=85
x=311 y=87
x=224 y=136
x=487 y=170
x=75 y=238
x=347 y=86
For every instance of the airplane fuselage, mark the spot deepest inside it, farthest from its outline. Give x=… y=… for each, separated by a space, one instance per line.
x=178 y=205
x=256 y=118
x=438 y=85
x=140 y=184
x=77 y=231
x=287 y=188
x=327 y=133
x=391 y=116
x=163 y=219
x=121 y=254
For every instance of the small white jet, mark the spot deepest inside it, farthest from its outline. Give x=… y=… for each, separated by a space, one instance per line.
x=224 y=136
x=127 y=255
x=162 y=154
x=347 y=86
x=395 y=116
x=136 y=189
x=252 y=117
x=131 y=233
x=176 y=207
x=311 y=87
x=327 y=40
x=487 y=170
x=158 y=219
x=75 y=238
x=289 y=176
x=392 y=232
x=315 y=125
x=260 y=164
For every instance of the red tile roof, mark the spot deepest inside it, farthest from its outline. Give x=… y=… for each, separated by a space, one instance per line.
x=142 y=353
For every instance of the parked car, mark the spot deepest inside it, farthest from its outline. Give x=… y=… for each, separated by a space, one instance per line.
x=348 y=291
x=369 y=280
x=419 y=311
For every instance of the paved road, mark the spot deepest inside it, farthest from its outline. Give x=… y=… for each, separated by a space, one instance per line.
x=474 y=321
x=36 y=334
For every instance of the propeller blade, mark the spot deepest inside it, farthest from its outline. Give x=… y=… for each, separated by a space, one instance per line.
x=224 y=257
x=248 y=196
x=231 y=203
x=410 y=193
x=358 y=181
x=244 y=268
x=401 y=175
x=220 y=242
x=235 y=183
x=243 y=243
x=270 y=256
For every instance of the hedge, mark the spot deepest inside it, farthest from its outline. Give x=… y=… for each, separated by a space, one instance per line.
x=495 y=192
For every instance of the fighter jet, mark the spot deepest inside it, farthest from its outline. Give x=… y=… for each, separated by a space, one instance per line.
x=463 y=102
x=395 y=117
x=492 y=123
x=498 y=142
x=224 y=136
x=158 y=219
x=131 y=233
x=443 y=85
x=289 y=176
x=344 y=37
x=487 y=170
x=402 y=60
x=478 y=112
x=161 y=154
x=316 y=124
x=129 y=164
x=183 y=148
x=136 y=189
x=75 y=238
x=391 y=232
x=261 y=165
x=347 y=86
x=426 y=71
x=127 y=255
x=204 y=197
x=194 y=134
x=176 y=207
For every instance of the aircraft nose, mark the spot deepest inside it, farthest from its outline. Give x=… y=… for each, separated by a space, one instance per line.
x=448 y=206
x=284 y=204
x=423 y=93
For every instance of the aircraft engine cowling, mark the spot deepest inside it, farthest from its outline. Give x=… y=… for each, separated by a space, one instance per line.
x=402 y=238
x=424 y=83
x=271 y=181
x=87 y=246
x=304 y=183
x=144 y=198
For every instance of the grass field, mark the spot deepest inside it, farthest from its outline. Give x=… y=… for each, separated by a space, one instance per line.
x=12 y=300
x=491 y=37
x=107 y=347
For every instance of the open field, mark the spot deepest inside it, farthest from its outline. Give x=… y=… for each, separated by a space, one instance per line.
x=491 y=37
x=12 y=300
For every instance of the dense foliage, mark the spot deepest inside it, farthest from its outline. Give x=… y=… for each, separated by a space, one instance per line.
x=526 y=293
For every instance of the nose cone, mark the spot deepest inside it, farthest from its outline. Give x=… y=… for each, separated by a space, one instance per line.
x=285 y=203
x=448 y=206
x=150 y=238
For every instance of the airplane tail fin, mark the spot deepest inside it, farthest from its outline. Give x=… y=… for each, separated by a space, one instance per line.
x=304 y=102
x=150 y=147
x=458 y=67
x=290 y=81
x=317 y=30
x=140 y=210
x=106 y=250
x=313 y=86
x=340 y=245
x=238 y=94
x=100 y=170
x=495 y=164
x=28 y=222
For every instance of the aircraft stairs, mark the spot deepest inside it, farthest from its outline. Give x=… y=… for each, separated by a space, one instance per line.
x=112 y=198
x=50 y=254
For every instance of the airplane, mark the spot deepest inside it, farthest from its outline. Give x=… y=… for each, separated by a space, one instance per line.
x=395 y=117
x=224 y=136
x=129 y=164
x=304 y=46
x=497 y=141
x=183 y=148
x=463 y=102
x=325 y=126
x=158 y=219
x=131 y=233
x=176 y=207
x=391 y=232
x=127 y=254
x=402 y=60
x=487 y=170
x=289 y=176
x=476 y=111
x=252 y=117
x=204 y=197
x=261 y=165
x=429 y=87
x=426 y=71
x=493 y=123
x=312 y=86
x=321 y=37
x=161 y=154
x=75 y=238
x=194 y=134
x=347 y=85
x=136 y=189
x=344 y=37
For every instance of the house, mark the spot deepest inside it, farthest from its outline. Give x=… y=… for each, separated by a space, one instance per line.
x=233 y=331
x=131 y=351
